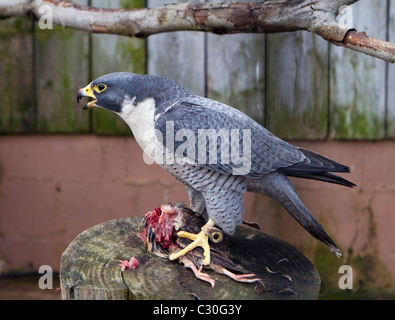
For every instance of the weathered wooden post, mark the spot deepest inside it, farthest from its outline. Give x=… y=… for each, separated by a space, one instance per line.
x=89 y=268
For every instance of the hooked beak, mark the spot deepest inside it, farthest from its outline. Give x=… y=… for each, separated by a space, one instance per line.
x=87 y=92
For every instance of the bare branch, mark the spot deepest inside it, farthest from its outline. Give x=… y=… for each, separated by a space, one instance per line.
x=218 y=18
x=359 y=41
x=221 y=18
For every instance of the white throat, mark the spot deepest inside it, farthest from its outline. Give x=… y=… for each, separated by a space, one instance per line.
x=140 y=119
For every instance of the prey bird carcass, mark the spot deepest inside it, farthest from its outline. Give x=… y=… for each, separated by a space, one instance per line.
x=161 y=230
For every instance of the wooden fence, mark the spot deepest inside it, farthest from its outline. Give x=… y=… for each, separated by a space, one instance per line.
x=296 y=84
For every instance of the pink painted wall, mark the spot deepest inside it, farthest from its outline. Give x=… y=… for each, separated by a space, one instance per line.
x=52 y=187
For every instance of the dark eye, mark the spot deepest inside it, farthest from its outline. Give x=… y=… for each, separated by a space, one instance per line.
x=101 y=87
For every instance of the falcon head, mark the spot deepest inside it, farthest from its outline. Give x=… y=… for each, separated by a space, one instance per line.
x=109 y=91
x=122 y=90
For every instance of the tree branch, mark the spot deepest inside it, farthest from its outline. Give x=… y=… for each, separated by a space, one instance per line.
x=318 y=17
x=359 y=41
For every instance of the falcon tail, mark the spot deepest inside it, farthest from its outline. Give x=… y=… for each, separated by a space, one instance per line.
x=284 y=192
x=318 y=168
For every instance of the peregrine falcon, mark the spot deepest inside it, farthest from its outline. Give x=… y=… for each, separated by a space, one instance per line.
x=215 y=150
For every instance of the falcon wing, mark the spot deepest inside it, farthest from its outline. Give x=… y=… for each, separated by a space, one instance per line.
x=223 y=139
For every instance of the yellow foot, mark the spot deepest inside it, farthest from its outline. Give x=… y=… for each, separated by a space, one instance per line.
x=199 y=240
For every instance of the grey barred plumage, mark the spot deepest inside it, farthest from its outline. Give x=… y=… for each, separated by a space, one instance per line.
x=217 y=151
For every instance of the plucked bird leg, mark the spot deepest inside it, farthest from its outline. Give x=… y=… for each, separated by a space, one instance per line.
x=199 y=240
x=248 y=278
x=198 y=272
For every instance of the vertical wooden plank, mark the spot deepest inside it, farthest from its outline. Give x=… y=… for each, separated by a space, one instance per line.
x=297 y=85
x=112 y=53
x=236 y=72
x=17 y=101
x=178 y=56
x=390 y=120
x=61 y=67
x=358 y=81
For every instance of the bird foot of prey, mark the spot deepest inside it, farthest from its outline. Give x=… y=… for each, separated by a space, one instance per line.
x=247 y=278
x=198 y=240
x=198 y=272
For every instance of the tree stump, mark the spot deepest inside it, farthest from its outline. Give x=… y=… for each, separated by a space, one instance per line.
x=89 y=268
